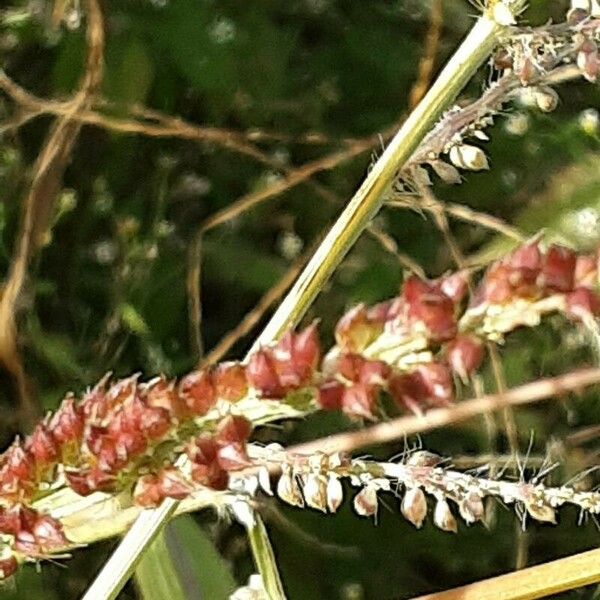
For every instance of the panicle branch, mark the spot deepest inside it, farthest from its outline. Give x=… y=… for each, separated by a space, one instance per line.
x=125 y=437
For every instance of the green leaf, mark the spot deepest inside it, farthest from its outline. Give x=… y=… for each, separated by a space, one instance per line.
x=203 y=571
x=133 y=321
x=156 y=576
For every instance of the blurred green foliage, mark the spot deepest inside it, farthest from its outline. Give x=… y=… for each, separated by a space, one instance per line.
x=108 y=290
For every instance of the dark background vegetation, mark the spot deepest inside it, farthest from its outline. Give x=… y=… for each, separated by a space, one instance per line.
x=107 y=292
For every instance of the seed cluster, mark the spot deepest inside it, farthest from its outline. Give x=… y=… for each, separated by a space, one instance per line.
x=127 y=434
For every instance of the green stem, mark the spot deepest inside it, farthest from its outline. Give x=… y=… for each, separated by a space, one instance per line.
x=471 y=54
x=264 y=558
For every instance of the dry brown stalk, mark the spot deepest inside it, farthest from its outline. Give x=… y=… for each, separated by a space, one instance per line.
x=401 y=427
x=38 y=203
x=427 y=62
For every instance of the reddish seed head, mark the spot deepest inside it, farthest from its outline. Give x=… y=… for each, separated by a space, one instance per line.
x=558 y=269
x=349 y=366
x=19 y=462
x=130 y=444
x=295 y=358
x=233 y=429
x=464 y=354
x=306 y=349
x=154 y=423
x=198 y=392
x=87 y=481
x=26 y=543
x=17 y=518
x=408 y=391
x=330 y=394
x=77 y=481
x=230 y=381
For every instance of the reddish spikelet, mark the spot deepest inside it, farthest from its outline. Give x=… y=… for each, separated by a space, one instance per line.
x=150 y=490
x=86 y=481
x=8 y=567
x=455 y=286
x=330 y=395
x=429 y=385
x=231 y=436
x=429 y=306
x=582 y=303
x=198 y=392
x=558 y=269
x=206 y=469
x=17 y=474
x=67 y=425
x=357 y=329
x=287 y=366
x=43 y=448
x=357 y=369
x=586 y=271
x=48 y=534
x=262 y=375
x=464 y=355
x=161 y=394
x=359 y=400
x=230 y=381
x=147 y=493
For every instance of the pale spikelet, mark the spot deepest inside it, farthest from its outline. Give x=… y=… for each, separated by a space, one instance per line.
x=365 y=502
x=471 y=507
x=546 y=98
x=541 y=512
x=315 y=492
x=503 y=15
x=264 y=480
x=335 y=493
x=288 y=489
x=468 y=157
x=443 y=517
x=414 y=506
